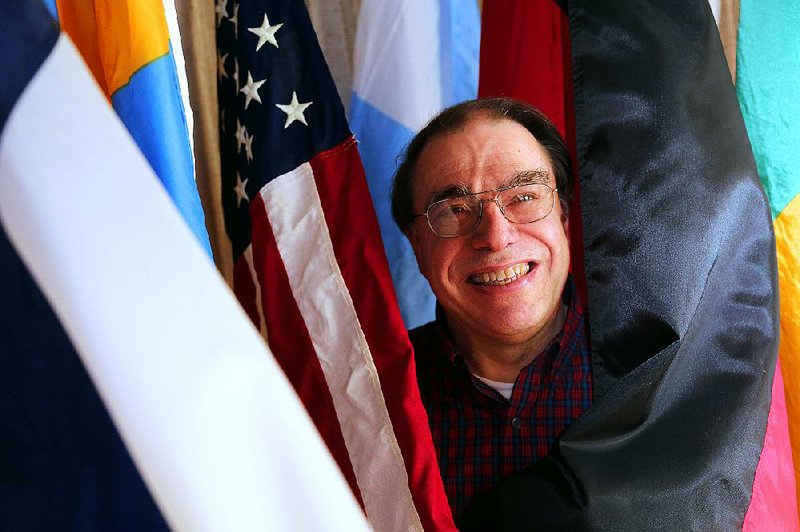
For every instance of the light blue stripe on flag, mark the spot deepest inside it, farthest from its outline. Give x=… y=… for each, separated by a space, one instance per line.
x=460 y=30
x=411 y=61
x=150 y=106
x=379 y=155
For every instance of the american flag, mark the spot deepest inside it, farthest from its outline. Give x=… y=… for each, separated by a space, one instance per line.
x=309 y=267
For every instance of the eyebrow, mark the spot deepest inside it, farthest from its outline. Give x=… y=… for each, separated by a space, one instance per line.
x=529 y=177
x=453 y=191
x=525 y=177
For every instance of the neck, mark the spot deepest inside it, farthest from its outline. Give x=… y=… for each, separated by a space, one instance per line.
x=501 y=359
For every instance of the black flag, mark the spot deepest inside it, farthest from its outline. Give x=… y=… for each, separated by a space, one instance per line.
x=682 y=283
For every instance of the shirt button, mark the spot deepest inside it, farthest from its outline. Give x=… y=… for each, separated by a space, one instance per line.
x=516 y=423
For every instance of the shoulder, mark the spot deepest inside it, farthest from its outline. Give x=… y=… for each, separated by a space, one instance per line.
x=426 y=340
x=424 y=335
x=431 y=356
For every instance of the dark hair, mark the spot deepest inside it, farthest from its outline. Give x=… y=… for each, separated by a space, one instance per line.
x=456 y=117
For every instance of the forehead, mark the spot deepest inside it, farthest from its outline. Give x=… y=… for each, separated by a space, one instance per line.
x=482 y=155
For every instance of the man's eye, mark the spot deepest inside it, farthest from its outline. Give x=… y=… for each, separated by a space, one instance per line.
x=449 y=210
x=458 y=208
x=522 y=198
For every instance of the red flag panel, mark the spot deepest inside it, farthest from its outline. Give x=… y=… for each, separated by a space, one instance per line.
x=526 y=55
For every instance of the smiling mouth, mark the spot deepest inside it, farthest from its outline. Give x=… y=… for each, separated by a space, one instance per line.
x=501 y=277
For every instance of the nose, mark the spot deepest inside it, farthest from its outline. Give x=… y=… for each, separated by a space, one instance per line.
x=494 y=232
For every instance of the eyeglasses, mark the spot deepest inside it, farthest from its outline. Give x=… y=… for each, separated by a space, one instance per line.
x=521 y=204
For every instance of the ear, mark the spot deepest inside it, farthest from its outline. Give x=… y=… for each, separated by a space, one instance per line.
x=413 y=237
x=409 y=233
x=565 y=223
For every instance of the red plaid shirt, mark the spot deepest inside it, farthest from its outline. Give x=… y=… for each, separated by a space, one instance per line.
x=480 y=437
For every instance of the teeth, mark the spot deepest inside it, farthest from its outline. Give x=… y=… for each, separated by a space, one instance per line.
x=501 y=277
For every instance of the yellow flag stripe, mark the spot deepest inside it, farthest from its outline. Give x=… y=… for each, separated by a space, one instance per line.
x=115 y=37
x=787 y=228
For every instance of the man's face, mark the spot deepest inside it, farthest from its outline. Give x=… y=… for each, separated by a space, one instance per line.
x=485 y=155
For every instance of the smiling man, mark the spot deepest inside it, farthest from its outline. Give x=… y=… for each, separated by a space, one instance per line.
x=483 y=196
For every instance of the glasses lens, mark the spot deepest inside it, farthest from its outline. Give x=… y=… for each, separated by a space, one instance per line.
x=526 y=203
x=454 y=216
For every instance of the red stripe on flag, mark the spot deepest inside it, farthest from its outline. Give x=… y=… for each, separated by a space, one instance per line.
x=290 y=342
x=343 y=191
x=245 y=289
x=526 y=55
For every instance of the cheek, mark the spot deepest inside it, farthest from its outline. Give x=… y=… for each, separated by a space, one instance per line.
x=561 y=252
x=435 y=262
x=425 y=258
x=557 y=244
x=418 y=246
x=424 y=268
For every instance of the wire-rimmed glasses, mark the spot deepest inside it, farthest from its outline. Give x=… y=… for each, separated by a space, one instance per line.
x=460 y=215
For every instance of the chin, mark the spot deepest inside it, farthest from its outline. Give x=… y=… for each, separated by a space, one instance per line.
x=517 y=327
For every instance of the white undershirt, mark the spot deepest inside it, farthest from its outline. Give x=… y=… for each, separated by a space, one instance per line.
x=503 y=388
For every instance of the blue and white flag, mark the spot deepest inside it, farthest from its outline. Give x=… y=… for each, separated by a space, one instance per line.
x=412 y=59
x=115 y=327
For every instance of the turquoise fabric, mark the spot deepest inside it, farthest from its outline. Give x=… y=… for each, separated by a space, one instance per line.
x=768 y=87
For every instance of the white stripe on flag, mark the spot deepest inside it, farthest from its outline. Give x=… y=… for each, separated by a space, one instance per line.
x=209 y=418
x=248 y=258
x=384 y=30
x=295 y=213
